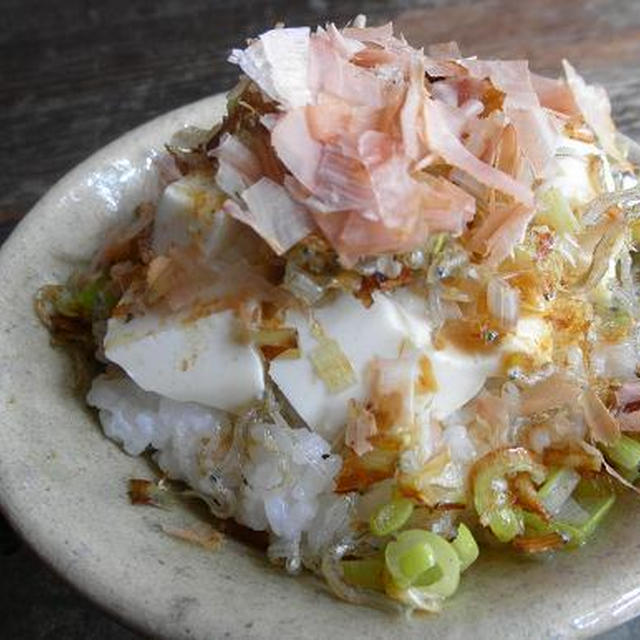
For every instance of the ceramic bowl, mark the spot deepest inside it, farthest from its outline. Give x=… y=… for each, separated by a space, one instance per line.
x=63 y=484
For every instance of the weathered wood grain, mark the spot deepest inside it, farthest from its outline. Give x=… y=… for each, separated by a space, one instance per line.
x=600 y=37
x=597 y=35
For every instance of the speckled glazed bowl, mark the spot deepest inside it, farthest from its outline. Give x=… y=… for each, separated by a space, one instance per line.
x=63 y=484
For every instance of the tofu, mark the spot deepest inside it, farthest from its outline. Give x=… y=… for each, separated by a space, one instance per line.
x=460 y=377
x=189 y=214
x=189 y=361
x=185 y=211
x=570 y=172
x=362 y=335
x=201 y=361
x=387 y=329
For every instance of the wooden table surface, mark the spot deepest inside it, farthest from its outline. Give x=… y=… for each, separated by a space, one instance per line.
x=78 y=73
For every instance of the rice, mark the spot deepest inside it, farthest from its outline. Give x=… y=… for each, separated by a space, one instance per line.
x=266 y=475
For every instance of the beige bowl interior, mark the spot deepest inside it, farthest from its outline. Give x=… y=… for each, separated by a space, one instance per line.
x=63 y=485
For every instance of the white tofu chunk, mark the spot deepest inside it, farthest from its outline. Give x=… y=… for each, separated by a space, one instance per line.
x=189 y=213
x=385 y=330
x=185 y=211
x=188 y=361
x=362 y=335
x=460 y=377
x=571 y=175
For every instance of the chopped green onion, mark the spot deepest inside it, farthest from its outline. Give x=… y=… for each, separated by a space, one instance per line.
x=332 y=365
x=556 y=212
x=591 y=488
x=302 y=284
x=390 y=516
x=425 y=561
x=491 y=495
x=535 y=524
x=444 y=577
x=429 y=577
x=407 y=557
x=94 y=299
x=466 y=547
x=630 y=475
x=624 y=453
x=598 y=510
x=634 y=228
x=437 y=243
x=505 y=523
x=572 y=513
x=86 y=298
x=575 y=535
x=615 y=322
x=558 y=488
x=366 y=573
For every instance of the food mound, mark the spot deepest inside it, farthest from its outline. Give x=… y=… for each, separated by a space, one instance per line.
x=387 y=306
